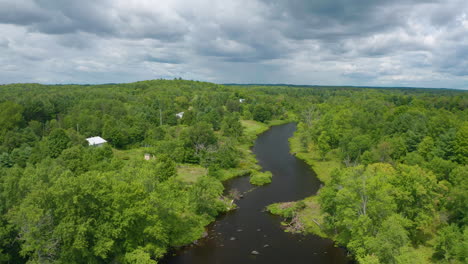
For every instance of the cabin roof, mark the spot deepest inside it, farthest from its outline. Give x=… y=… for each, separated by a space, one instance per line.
x=96 y=140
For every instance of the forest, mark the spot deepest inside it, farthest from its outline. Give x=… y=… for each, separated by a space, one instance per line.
x=394 y=168
x=394 y=163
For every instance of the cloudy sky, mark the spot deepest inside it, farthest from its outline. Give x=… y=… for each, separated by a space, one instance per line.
x=421 y=43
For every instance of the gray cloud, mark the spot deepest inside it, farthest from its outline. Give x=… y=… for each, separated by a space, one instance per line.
x=163 y=60
x=334 y=20
x=361 y=42
x=21 y=12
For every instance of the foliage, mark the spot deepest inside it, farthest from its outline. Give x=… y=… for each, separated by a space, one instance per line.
x=452 y=244
x=393 y=161
x=262 y=113
x=10 y=116
x=286 y=210
x=396 y=166
x=261 y=178
x=232 y=126
x=57 y=142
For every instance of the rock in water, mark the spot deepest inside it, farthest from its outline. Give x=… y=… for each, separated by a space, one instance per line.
x=254 y=252
x=232 y=238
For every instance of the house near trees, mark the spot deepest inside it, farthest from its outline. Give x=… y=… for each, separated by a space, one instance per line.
x=96 y=141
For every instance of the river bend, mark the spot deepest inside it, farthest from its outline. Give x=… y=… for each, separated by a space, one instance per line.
x=233 y=237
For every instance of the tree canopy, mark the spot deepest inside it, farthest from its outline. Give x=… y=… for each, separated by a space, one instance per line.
x=401 y=186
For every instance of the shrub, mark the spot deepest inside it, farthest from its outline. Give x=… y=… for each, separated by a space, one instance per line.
x=260 y=178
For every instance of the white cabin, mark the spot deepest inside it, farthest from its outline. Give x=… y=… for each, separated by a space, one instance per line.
x=96 y=141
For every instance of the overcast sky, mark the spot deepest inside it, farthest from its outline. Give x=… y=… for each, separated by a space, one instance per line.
x=421 y=43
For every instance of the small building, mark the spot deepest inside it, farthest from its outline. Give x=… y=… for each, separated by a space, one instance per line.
x=147 y=156
x=241 y=100
x=180 y=115
x=96 y=141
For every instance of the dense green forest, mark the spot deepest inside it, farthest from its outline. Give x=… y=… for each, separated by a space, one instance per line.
x=395 y=184
x=395 y=168
x=62 y=201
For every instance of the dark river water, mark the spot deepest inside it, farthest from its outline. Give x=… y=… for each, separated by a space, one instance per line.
x=233 y=237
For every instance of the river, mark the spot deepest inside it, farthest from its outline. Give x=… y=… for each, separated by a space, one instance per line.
x=233 y=237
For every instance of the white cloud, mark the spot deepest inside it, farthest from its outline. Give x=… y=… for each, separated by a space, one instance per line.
x=410 y=43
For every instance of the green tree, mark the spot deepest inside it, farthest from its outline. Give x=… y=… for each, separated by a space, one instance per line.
x=206 y=193
x=74 y=159
x=457 y=199
x=410 y=255
x=200 y=136
x=452 y=244
x=88 y=219
x=389 y=240
x=416 y=194
x=233 y=106
x=231 y=126
x=262 y=113
x=323 y=144
x=426 y=147
x=461 y=144
x=115 y=133
x=357 y=199
x=11 y=116
x=57 y=141
x=5 y=160
x=165 y=167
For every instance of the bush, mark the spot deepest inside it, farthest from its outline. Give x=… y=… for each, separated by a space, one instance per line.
x=261 y=178
x=286 y=210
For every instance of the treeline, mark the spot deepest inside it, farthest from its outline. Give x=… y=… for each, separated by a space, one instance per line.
x=401 y=193
x=63 y=201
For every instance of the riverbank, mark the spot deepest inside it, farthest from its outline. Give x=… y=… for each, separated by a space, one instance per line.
x=190 y=173
x=236 y=234
x=249 y=164
x=304 y=216
x=323 y=168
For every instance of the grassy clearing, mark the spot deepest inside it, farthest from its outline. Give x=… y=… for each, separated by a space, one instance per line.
x=135 y=154
x=190 y=173
x=186 y=172
x=253 y=128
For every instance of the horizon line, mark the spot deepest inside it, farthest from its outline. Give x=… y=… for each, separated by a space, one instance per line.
x=251 y=84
